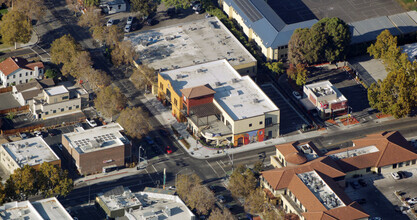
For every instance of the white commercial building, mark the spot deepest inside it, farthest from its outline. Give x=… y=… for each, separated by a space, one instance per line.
x=220 y=105
x=191 y=43
x=150 y=204
x=25 y=92
x=55 y=101
x=44 y=209
x=113 y=6
x=16 y=70
x=32 y=151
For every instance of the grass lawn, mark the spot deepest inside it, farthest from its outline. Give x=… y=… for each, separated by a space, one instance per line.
x=408 y=4
x=3 y=11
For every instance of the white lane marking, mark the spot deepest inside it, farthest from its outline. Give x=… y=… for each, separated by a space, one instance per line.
x=221 y=167
x=213 y=168
x=154 y=168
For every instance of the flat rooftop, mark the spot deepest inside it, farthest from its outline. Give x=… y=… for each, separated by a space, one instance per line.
x=188 y=44
x=31 y=151
x=95 y=139
x=326 y=88
x=56 y=90
x=354 y=152
x=239 y=96
x=321 y=190
x=51 y=208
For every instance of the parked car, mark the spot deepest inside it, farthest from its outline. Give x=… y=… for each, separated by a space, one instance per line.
x=355 y=185
x=23 y=135
x=194 y=3
x=296 y=94
x=110 y=22
x=362 y=182
x=149 y=140
x=171 y=188
x=196 y=6
x=91 y=122
x=395 y=175
x=127 y=28
x=129 y=20
x=168 y=150
x=412 y=200
x=54 y=132
x=402 y=174
x=221 y=199
x=150 y=22
x=37 y=133
x=198 y=9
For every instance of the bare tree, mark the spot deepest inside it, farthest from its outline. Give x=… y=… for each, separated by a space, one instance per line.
x=91 y=18
x=133 y=120
x=123 y=53
x=110 y=101
x=97 y=79
x=201 y=199
x=218 y=214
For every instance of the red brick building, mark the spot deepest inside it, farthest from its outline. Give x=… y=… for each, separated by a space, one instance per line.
x=98 y=149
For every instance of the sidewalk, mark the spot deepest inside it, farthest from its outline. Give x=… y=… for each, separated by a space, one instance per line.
x=96 y=178
x=196 y=150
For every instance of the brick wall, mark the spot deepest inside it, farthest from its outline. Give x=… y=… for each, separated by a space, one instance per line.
x=92 y=162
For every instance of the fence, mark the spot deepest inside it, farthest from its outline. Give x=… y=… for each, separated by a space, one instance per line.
x=19 y=130
x=17 y=109
x=7 y=89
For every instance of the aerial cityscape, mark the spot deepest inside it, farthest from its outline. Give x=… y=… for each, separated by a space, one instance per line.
x=203 y=109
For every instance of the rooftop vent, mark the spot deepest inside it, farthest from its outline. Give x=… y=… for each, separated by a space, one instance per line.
x=218 y=83
x=179 y=76
x=235 y=80
x=255 y=100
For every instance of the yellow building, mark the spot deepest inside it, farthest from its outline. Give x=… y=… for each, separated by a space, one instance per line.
x=261 y=24
x=221 y=106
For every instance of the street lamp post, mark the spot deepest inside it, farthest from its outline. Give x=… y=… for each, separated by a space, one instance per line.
x=349 y=113
x=139 y=160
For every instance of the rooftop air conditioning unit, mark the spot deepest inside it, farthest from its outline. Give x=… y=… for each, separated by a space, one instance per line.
x=256 y=100
x=218 y=83
x=235 y=80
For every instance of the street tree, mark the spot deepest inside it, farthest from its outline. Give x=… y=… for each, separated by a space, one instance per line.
x=15 y=28
x=144 y=7
x=64 y=50
x=255 y=202
x=97 y=79
x=258 y=167
x=177 y=3
x=73 y=5
x=25 y=182
x=242 y=182
x=30 y=8
x=184 y=183
x=134 y=122
x=78 y=65
x=53 y=180
x=301 y=74
x=114 y=35
x=270 y=213
x=276 y=67
x=110 y=101
x=142 y=76
x=123 y=53
x=201 y=199
x=2 y=192
x=90 y=3
x=91 y=18
x=218 y=214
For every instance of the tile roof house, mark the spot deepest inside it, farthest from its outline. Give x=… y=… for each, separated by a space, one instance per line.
x=296 y=178
x=17 y=70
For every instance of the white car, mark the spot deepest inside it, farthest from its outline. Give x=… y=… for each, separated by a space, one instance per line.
x=91 y=122
x=395 y=175
x=37 y=133
x=129 y=20
x=110 y=22
x=296 y=95
x=412 y=201
x=127 y=28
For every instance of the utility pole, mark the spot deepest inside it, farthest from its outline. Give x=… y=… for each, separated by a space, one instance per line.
x=164 y=177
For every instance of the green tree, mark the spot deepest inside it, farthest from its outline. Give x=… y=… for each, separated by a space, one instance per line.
x=25 y=182
x=218 y=214
x=15 y=28
x=64 y=50
x=386 y=49
x=145 y=7
x=301 y=74
x=242 y=182
x=338 y=35
x=51 y=73
x=133 y=120
x=2 y=193
x=296 y=46
x=254 y=203
x=53 y=180
x=258 y=167
x=201 y=199
x=177 y=3
x=276 y=67
x=90 y=3
x=110 y=101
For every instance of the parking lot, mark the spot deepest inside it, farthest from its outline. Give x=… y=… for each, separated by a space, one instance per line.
x=379 y=194
x=290 y=119
x=354 y=92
